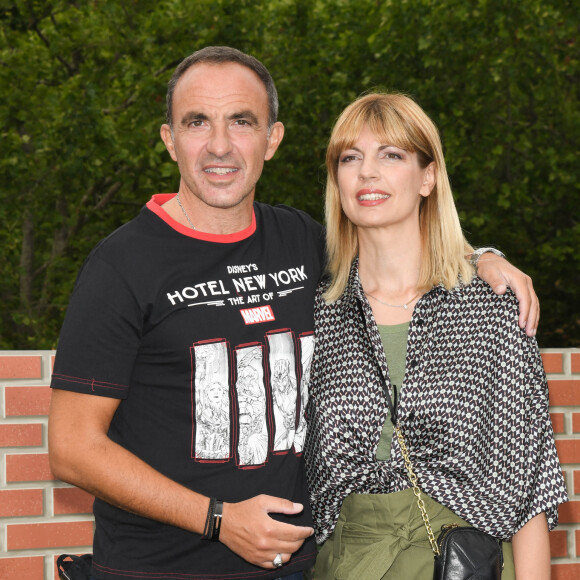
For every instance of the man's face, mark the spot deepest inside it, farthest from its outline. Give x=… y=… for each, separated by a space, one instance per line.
x=220 y=136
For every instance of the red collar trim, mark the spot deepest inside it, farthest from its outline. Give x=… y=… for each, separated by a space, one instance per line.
x=155 y=203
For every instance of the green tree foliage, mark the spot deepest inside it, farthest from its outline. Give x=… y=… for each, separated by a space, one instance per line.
x=83 y=91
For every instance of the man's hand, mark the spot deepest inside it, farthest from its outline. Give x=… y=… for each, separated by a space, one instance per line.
x=251 y=533
x=500 y=274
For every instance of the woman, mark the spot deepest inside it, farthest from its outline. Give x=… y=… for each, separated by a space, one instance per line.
x=469 y=386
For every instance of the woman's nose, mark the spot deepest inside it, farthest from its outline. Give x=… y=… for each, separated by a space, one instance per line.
x=368 y=170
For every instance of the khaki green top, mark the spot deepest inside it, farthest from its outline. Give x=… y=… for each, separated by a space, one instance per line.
x=394 y=339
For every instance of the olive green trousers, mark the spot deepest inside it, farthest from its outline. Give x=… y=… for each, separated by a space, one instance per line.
x=383 y=537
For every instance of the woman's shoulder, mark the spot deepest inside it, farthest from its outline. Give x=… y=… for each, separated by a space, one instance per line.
x=478 y=295
x=320 y=298
x=333 y=316
x=323 y=285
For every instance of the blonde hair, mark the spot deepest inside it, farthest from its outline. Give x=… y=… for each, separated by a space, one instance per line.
x=397 y=120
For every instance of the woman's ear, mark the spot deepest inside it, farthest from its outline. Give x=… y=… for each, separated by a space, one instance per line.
x=429 y=179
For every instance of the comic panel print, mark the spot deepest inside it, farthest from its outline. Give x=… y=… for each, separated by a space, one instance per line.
x=282 y=365
x=306 y=351
x=251 y=396
x=212 y=402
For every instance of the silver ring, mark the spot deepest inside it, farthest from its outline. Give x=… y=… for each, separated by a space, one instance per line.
x=277 y=561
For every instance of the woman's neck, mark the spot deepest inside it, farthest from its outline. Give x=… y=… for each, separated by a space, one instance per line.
x=389 y=267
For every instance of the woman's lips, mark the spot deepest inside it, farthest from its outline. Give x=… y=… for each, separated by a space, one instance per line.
x=371 y=196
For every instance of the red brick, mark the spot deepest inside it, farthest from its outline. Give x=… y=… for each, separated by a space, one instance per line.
x=575 y=362
x=565 y=571
x=577 y=482
x=553 y=362
x=559 y=544
x=575 y=422
x=564 y=392
x=20 y=367
x=72 y=500
x=20 y=502
x=557 y=422
x=569 y=513
x=31 y=568
x=22 y=401
x=55 y=535
x=568 y=450
x=21 y=435
x=29 y=467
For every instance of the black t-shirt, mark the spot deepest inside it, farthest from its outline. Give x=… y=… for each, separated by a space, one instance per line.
x=207 y=340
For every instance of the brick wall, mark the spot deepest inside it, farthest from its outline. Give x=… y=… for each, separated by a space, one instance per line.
x=41 y=518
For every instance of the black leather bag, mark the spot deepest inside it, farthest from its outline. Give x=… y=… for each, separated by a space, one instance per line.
x=72 y=567
x=466 y=553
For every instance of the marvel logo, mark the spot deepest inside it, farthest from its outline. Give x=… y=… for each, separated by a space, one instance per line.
x=259 y=314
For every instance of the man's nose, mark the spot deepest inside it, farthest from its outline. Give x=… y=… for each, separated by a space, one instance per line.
x=219 y=143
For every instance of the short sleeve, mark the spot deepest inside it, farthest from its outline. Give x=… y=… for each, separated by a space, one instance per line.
x=101 y=334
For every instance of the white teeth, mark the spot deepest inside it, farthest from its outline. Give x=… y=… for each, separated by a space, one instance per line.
x=373 y=196
x=220 y=170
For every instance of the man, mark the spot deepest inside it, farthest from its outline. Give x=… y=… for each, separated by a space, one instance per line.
x=166 y=313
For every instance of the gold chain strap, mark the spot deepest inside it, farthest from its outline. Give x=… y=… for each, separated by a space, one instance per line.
x=417 y=491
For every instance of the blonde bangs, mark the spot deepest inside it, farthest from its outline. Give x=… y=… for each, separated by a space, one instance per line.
x=384 y=122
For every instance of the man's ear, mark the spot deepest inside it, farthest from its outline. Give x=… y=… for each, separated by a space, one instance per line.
x=274 y=139
x=429 y=180
x=168 y=140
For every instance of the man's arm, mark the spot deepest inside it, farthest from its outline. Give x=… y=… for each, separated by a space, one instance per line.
x=500 y=274
x=81 y=453
x=531 y=547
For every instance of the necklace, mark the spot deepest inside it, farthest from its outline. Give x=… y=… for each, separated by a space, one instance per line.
x=405 y=306
x=184 y=212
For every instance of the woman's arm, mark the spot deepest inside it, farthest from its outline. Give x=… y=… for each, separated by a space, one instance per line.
x=531 y=547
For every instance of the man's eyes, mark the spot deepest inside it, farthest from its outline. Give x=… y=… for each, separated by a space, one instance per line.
x=197 y=123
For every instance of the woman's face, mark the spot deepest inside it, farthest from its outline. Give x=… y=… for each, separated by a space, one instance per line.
x=215 y=393
x=380 y=184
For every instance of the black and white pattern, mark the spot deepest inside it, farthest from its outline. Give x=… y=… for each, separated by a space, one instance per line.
x=473 y=408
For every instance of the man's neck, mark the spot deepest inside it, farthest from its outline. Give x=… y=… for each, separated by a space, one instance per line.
x=210 y=220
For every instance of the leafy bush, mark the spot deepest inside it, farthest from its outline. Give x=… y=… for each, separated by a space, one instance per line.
x=83 y=98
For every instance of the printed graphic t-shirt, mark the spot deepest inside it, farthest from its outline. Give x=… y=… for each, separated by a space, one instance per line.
x=207 y=340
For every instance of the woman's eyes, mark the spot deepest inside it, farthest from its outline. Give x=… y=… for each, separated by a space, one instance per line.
x=346 y=158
